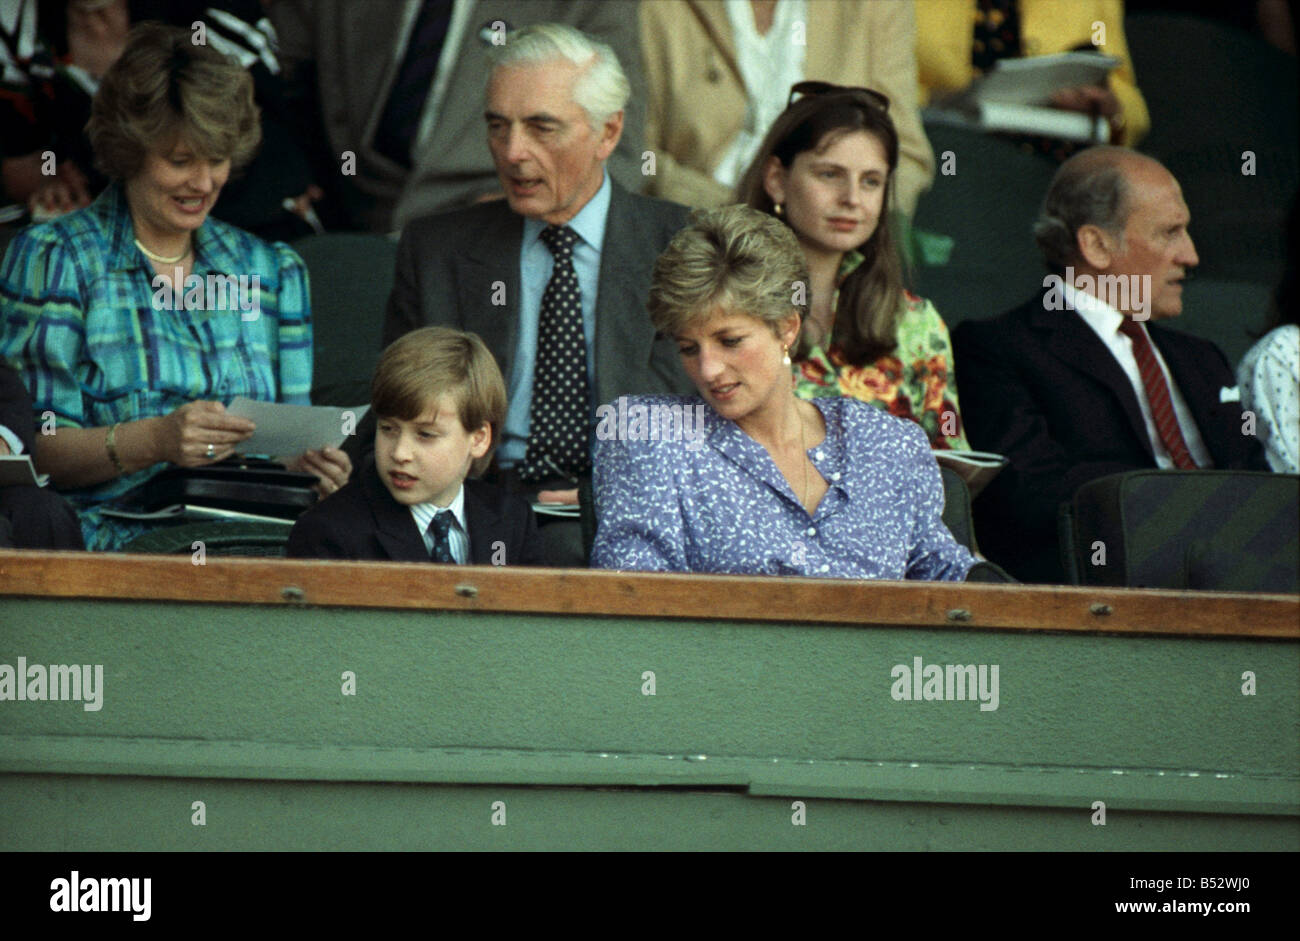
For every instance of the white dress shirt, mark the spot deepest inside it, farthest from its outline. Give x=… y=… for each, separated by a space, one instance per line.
x=458 y=535
x=1105 y=322
x=769 y=64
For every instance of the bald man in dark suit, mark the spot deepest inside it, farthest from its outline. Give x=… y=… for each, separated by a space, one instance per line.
x=1080 y=382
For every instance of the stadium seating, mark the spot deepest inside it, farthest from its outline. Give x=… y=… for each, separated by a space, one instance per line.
x=218 y=538
x=1216 y=530
x=351 y=277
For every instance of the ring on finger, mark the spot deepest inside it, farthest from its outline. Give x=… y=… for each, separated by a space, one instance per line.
x=212 y=451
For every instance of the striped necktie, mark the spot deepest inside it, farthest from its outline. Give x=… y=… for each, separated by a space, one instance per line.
x=1162 y=405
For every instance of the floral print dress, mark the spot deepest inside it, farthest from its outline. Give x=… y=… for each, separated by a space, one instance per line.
x=914 y=381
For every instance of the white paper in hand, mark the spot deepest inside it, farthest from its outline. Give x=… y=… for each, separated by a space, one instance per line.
x=288 y=430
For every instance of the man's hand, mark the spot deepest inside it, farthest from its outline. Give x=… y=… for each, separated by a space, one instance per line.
x=63 y=192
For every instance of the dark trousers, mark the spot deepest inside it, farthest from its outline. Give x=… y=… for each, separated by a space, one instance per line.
x=36 y=518
x=565 y=544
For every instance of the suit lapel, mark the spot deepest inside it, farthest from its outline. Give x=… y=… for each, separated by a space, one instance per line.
x=363 y=34
x=395 y=528
x=712 y=15
x=1077 y=346
x=487 y=267
x=623 y=340
x=485 y=526
x=1188 y=370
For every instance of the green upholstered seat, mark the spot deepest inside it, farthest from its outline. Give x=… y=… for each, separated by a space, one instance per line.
x=1217 y=530
x=218 y=538
x=351 y=277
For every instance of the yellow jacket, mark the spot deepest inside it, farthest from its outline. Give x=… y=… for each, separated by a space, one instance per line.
x=945 y=29
x=696 y=97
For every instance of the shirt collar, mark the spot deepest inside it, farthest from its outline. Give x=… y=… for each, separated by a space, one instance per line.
x=425 y=512
x=214 y=248
x=589 y=223
x=848 y=264
x=1096 y=313
x=727 y=438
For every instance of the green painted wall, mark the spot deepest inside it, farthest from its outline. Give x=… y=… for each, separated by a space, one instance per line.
x=244 y=702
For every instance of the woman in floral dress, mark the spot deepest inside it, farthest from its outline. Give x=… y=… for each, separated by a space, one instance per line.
x=826 y=169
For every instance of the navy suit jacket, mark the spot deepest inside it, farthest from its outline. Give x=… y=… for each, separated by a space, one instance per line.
x=363 y=522
x=1042 y=388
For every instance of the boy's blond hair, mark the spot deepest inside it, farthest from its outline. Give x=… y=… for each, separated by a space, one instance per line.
x=424 y=365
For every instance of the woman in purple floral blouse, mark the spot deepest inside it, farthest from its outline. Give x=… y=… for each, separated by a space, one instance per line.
x=746 y=477
x=826 y=168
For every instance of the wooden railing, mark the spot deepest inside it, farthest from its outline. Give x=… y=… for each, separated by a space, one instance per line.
x=227 y=580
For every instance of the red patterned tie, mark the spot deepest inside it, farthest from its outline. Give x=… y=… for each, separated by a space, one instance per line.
x=1162 y=406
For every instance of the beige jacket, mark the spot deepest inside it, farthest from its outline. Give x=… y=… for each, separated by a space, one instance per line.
x=697 y=97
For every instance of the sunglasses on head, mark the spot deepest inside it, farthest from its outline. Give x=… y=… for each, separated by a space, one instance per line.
x=809 y=89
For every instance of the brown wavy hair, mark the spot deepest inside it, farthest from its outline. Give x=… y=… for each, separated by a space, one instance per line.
x=870 y=302
x=163 y=85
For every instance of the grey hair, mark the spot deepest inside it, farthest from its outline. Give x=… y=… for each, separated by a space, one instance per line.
x=600 y=90
x=1088 y=189
x=736 y=258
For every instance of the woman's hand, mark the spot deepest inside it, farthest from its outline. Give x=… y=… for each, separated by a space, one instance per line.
x=566 y=497
x=184 y=436
x=331 y=465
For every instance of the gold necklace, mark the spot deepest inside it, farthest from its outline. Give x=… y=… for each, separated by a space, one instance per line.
x=803 y=454
x=162 y=259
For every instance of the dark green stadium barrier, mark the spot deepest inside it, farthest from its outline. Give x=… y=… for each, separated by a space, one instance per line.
x=481 y=692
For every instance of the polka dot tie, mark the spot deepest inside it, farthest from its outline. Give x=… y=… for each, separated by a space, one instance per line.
x=440 y=527
x=558 y=419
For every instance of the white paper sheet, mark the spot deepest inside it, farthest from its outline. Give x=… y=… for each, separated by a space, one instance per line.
x=288 y=430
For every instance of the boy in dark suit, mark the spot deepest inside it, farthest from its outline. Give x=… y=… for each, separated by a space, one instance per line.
x=439 y=402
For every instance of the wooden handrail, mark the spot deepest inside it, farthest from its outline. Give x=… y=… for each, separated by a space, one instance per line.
x=239 y=580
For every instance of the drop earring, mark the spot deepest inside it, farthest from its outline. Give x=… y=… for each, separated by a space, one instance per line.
x=785 y=352
x=779 y=210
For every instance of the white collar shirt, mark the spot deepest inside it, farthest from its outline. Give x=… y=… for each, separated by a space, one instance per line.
x=1105 y=322
x=769 y=64
x=458 y=536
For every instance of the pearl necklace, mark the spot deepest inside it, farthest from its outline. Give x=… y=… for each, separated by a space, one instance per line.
x=162 y=259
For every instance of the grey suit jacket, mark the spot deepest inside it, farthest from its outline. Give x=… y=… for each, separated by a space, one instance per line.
x=352 y=44
x=449 y=267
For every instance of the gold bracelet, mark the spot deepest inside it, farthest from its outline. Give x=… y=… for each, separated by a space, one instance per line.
x=110 y=445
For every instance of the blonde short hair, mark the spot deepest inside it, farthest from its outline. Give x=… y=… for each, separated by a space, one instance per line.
x=163 y=86
x=418 y=369
x=735 y=258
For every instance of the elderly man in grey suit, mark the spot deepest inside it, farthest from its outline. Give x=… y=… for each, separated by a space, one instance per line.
x=399 y=85
x=554 y=278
